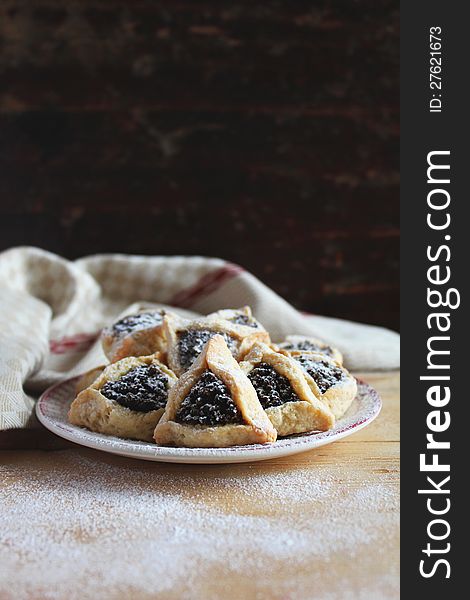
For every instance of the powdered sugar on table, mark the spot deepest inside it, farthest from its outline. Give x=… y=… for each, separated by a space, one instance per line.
x=80 y=524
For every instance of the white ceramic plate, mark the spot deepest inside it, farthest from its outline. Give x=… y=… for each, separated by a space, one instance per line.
x=53 y=405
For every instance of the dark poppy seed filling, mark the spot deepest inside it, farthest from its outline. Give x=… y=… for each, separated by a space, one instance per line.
x=136 y=322
x=244 y=320
x=323 y=373
x=191 y=343
x=272 y=388
x=143 y=389
x=308 y=346
x=209 y=403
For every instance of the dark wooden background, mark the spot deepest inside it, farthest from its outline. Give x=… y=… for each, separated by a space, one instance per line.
x=262 y=132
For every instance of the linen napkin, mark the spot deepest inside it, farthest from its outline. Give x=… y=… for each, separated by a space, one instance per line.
x=52 y=310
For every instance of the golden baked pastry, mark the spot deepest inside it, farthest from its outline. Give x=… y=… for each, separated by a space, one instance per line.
x=238 y=316
x=328 y=380
x=88 y=378
x=283 y=392
x=186 y=339
x=139 y=334
x=214 y=405
x=301 y=343
x=126 y=400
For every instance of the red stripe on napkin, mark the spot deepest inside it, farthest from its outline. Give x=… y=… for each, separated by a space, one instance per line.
x=75 y=343
x=210 y=282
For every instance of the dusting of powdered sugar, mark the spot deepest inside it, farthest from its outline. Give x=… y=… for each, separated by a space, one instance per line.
x=150 y=530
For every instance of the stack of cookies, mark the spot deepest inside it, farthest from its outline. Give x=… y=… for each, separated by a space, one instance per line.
x=216 y=381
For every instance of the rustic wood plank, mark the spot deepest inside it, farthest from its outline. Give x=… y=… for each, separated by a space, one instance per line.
x=264 y=133
x=199 y=53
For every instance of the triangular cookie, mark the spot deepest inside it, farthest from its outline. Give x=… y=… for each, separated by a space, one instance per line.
x=238 y=316
x=139 y=334
x=186 y=339
x=328 y=380
x=214 y=405
x=283 y=392
x=127 y=399
x=301 y=343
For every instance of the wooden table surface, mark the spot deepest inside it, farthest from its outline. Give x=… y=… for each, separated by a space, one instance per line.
x=323 y=524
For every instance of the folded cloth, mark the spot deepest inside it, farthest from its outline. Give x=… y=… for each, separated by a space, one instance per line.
x=52 y=309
